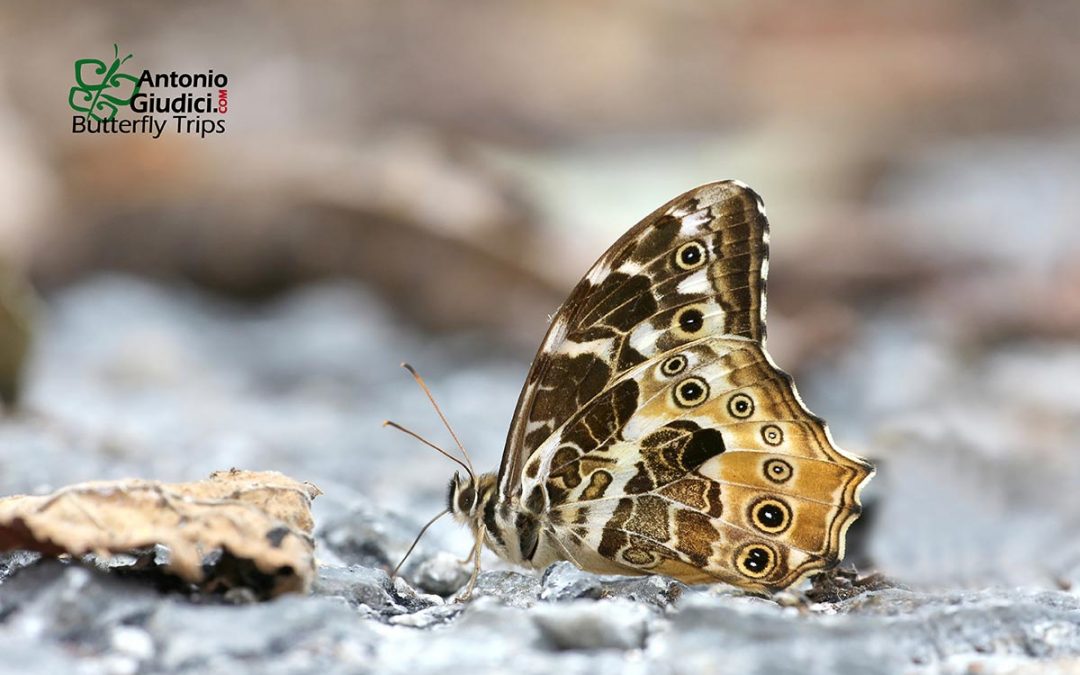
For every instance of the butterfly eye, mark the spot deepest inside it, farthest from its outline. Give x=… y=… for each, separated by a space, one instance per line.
x=691 y=320
x=771 y=516
x=673 y=366
x=466 y=499
x=691 y=392
x=772 y=435
x=778 y=471
x=755 y=560
x=741 y=406
x=690 y=256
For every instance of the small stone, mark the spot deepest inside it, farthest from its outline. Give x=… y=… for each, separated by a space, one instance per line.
x=514 y=589
x=442 y=574
x=583 y=624
x=564 y=581
x=133 y=642
x=498 y=627
x=371 y=588
x=357 y=584
x=14 y=561
x=658 y=591
x=411 y=598
x=426 y=618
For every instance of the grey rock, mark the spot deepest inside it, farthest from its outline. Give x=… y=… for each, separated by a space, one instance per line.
x=515 y=589
x=564 y=581
x=485 y=637
x=431 y=616
x=903 y=630
x=582 y=624
x=657 y=591
x=132 y=377
x=16 y=560
x=929 y=627
x=371 y=588
x=26 y=652
x=132 y=642
x=216 y=638
x=487 y=621
x=443 y=574
x=72 y=603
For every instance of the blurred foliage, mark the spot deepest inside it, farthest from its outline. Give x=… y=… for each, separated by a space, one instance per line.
x=16 y=331
x=897 y=146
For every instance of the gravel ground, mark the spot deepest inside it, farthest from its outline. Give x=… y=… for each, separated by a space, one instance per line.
x=973 y=516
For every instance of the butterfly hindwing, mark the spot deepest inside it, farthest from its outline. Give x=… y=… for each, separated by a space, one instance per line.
x=695 y=266
x=702 y=454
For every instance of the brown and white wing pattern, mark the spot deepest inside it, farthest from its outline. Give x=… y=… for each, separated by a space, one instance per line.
x=702 y=464
x=696 y=266
x=654 y=434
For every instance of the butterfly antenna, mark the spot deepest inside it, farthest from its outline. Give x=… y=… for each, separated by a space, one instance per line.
x=417 y=541
x=420 y=381
x=444 y=453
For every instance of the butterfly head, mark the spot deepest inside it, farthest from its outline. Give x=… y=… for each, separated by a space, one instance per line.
x=461 y=497
x=466 y=497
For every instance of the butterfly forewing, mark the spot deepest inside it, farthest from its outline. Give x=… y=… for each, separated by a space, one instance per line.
x=695 y=266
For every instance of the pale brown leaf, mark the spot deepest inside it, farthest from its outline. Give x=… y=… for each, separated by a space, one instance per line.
x=263 y=518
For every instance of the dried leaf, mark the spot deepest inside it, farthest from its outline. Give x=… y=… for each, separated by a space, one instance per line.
x=262 y=518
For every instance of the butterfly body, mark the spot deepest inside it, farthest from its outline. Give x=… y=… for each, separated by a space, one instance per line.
x=512 y=532
x=654 y=433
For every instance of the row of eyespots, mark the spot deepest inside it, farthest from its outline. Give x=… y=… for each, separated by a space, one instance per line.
x=690 y=256
x=771 y=516
x=740 y=406
x=694 y=391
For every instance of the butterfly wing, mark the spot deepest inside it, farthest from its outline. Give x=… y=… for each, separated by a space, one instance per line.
x=695 y=266
x=654 y=433
x=703 y=464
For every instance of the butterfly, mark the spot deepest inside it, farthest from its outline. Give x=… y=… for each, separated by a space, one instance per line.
x=654 y=433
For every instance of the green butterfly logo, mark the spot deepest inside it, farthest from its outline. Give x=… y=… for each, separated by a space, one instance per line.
x=99 y=89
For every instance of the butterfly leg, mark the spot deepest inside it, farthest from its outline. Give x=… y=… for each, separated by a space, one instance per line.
x=469 y=558
x=475 y=557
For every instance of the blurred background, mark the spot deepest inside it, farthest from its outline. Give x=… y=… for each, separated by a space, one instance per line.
x=426 y=181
